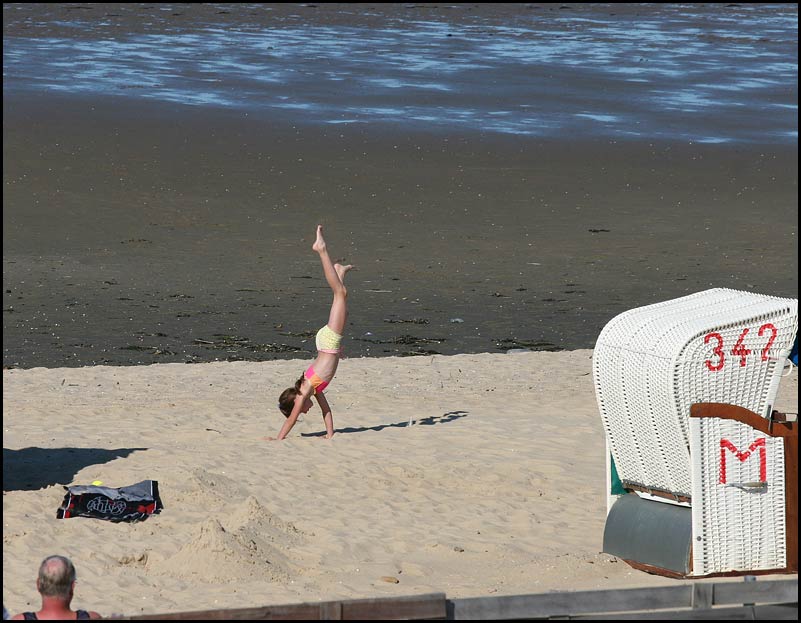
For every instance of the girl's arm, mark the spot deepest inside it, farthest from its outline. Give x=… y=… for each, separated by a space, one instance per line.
x=293 y=417
x=328 y=417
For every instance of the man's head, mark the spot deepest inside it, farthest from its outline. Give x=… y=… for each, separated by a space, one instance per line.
x=56 y=577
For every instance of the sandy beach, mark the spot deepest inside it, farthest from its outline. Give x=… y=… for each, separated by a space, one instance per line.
x=496 y=488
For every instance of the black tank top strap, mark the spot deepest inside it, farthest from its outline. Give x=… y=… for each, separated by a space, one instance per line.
x=79 y=614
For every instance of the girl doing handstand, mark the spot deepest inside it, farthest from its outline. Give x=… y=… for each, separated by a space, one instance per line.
x=296 y=400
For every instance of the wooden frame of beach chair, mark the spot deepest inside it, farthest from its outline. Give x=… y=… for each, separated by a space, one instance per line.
x=667 y=511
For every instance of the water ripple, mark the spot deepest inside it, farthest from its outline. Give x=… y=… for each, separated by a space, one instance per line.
x=643 y=76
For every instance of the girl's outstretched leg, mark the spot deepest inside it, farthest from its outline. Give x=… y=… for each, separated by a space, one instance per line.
x=334 y=275
x=338 y=315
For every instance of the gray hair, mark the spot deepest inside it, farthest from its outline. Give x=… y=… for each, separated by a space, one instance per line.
x=56 y=576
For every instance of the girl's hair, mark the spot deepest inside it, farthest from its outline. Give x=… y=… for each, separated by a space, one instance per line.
x=287 y=399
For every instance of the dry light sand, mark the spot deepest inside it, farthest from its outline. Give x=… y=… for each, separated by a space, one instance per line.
x=497 y=489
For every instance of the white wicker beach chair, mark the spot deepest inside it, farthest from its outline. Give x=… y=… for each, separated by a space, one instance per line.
x=650 y=366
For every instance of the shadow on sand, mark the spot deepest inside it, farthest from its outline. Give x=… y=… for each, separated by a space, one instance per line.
x=427 y=421
x=29 y=469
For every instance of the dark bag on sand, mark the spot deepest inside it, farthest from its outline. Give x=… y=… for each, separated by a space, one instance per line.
x=133 y=503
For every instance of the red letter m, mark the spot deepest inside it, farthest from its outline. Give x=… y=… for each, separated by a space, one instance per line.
x=759 y=443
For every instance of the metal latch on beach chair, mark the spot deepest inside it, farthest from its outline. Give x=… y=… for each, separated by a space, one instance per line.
x=757 y=486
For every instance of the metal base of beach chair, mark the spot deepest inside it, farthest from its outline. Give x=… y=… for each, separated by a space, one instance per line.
x=650 y=533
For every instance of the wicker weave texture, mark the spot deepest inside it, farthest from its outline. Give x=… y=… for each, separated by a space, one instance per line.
x=738 y=524
x=651 y=363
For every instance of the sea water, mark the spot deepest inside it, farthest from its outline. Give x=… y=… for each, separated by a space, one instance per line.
x=696 y=72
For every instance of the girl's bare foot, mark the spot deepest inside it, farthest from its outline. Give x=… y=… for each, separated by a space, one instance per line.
x=342 y=270
x=319 y=244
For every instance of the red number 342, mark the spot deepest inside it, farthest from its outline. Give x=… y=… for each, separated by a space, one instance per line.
x=739 y=349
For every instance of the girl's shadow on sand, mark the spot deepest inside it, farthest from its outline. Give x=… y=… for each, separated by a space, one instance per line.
x=30 y=469
x=428 y=421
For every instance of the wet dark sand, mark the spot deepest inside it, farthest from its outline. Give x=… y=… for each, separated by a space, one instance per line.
x=144 y=233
